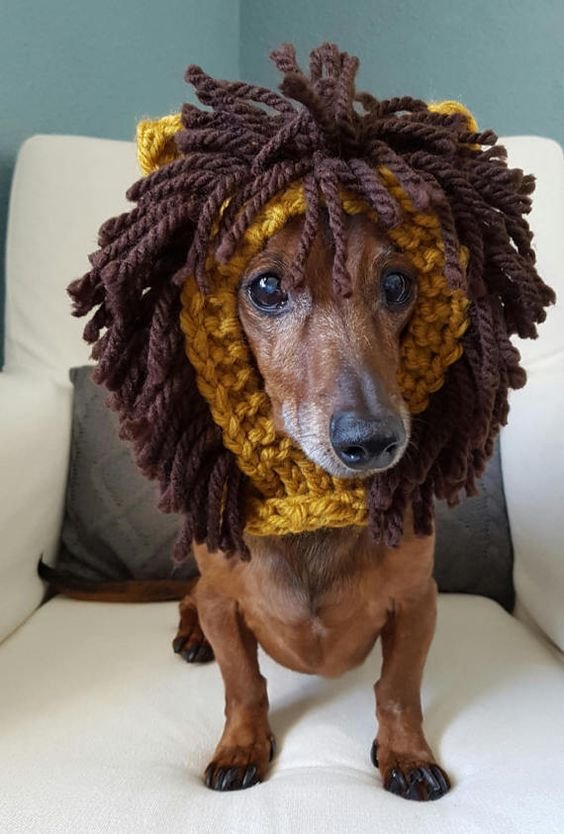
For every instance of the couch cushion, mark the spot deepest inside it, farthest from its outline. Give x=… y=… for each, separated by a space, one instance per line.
x=104 y=729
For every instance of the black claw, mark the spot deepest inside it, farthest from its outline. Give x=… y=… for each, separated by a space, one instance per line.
x=416 y=790
x=432 y=781
x=189 y=653
x=396 y=782
x=218 y=778
x=231 y=780
x=220 y=783
x=198 y=653
x=374 y=753
x=205 y=654
x=393 y=786
x=208 y=776
x=235 y=781
x=249 y=777
x=442 y=779
x=177 y=643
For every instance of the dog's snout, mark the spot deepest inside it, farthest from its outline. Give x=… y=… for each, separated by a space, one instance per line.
x=364 y=443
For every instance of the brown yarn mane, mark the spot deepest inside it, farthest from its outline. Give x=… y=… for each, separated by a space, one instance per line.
x=249 y=146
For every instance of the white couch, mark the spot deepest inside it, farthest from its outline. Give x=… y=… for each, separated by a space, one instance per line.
x=103 y=729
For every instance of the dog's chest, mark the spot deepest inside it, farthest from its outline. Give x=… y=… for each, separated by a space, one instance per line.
x=311 y=608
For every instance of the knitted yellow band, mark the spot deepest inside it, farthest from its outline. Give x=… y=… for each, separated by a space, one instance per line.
x=293 y=494
x=155 y=142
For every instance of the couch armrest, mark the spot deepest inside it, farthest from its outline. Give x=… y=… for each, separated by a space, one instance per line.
x=533 y=478
x=35 y=429
x=531 y=444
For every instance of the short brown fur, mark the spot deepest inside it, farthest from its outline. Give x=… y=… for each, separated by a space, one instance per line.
x=317 y=602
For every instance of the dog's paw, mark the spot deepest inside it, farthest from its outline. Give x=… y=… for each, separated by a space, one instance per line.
x=237 y=768
x=190 y=642
x=420 y=781
x=193 y=647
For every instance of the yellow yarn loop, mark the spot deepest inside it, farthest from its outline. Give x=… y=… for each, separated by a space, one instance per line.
x=292 y=494
x=450 y=107
x=155 y=142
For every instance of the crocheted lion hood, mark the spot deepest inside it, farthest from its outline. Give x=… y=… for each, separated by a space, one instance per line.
x=219 y=182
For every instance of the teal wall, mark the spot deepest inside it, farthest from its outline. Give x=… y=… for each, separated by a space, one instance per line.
x=94 y=68
x=503 y=58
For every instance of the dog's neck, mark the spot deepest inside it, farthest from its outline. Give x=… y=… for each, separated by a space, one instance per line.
x=312 y=562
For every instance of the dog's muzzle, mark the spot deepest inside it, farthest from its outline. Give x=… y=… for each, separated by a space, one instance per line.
x=367 y=443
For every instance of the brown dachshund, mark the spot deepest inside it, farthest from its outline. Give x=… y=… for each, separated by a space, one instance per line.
x=317 y=602
x=326 y=341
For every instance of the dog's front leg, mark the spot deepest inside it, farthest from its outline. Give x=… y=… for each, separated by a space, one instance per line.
x=401 y=752
x=190 y=642
x=247 y=745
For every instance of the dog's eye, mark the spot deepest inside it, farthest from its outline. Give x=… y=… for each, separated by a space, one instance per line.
x=397 y=288
x=266 y=293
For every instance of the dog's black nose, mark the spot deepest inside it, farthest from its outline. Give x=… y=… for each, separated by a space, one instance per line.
x=366 y=443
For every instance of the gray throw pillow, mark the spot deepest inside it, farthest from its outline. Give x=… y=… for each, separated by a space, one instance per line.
x=113 y=530
x=474 y=554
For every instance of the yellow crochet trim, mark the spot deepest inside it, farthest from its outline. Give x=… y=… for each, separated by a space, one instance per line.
x=292 y=494
x=155 y=142
x=450 y=107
